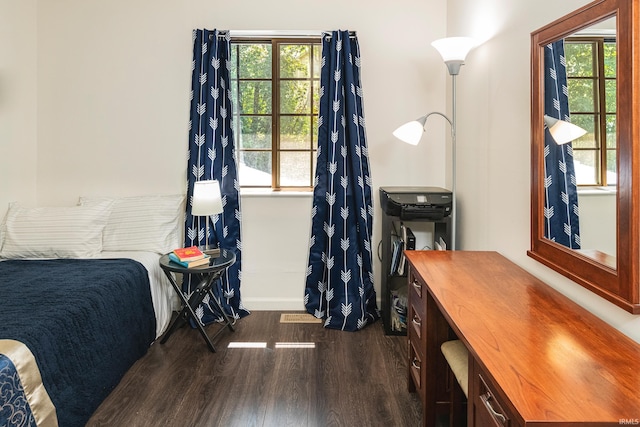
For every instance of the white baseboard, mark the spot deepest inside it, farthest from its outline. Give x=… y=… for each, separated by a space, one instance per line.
x=273 y=304
x=276 y=304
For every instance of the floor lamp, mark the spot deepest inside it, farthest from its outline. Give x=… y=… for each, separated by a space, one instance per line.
x=453 y=50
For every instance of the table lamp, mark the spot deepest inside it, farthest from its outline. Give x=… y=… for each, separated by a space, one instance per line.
x=206 y=201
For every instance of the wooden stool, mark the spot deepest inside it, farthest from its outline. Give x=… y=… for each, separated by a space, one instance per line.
x=457 y=356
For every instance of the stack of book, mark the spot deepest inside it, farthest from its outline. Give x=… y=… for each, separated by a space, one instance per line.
x=189 y=257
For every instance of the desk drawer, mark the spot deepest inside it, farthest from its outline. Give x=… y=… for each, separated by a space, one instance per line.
x=415 y=369
x=417 y=289
x=489 y=412
x=416 y=322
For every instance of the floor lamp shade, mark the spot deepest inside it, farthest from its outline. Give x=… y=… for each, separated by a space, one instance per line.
x=562 y=131
x=454 y=51
x=207 y=199
x=411 y=132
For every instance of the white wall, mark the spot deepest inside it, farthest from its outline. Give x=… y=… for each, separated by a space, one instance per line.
x=113 y=80
x=18 y=102
x=494 y=138
x=598 y=219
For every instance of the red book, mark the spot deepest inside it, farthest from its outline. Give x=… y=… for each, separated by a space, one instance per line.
x=188 y=254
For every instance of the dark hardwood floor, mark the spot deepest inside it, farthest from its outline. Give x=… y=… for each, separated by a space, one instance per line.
x=349 y=379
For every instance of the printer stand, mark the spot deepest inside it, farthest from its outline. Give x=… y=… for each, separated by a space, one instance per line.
x=402 y=206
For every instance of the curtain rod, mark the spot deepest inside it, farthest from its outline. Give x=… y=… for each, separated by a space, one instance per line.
x=279 y=33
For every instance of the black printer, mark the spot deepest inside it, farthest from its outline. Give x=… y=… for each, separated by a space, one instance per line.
x=409 y=203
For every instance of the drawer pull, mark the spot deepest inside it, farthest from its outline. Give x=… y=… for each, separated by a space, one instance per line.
x=417 y=287
x=417 y=321
x=415 y=363
x=486 y=397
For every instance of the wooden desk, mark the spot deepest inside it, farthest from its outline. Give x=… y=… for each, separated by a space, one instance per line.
x=544 y=359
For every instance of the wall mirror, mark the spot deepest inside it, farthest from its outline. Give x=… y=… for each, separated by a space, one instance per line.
x=598 y=238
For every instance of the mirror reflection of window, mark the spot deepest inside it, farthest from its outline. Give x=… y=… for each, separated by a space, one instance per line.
x=591 y=65
x=591 y=75
x=590 y=57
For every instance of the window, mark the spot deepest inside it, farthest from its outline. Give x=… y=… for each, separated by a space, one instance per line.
x=275 y=94
x=591 y=76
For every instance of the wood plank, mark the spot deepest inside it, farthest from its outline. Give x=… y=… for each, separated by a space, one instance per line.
x=348 y=379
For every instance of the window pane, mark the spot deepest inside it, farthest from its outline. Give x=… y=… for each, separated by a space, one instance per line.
x=255 y=168
x=255 y=97
x=255 y=61
x=234 y=96
x=295 y=61
x=586 y=122
x=586 y=164
x=316 y=96
x=611 y=131
x=317 y=60
x=295 y=132
x=315 y=132
x=255 y=132
x=233 y=70
x=295 y=97
x=582 y=95
x=610 y=95
x=295 y=169
x=579 y=58
x=612 y=169
x=610 y=57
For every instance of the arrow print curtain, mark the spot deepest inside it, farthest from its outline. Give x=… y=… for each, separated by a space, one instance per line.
x=211 y=156
x=561 y=191
x=339 y=282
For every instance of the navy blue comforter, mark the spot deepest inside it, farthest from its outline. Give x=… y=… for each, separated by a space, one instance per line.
x=85 y=321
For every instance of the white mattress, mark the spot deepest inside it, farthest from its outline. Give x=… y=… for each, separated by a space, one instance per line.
x=165 y=300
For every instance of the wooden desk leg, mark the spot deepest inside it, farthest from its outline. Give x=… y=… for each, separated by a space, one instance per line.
x=437 y=332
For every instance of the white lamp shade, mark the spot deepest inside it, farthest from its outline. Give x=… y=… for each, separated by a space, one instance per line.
x=454 y=48
x=411 y=132
x=206 y=198
x=561 y=131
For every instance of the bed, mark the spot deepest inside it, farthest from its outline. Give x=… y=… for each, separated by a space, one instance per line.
x=81 y=305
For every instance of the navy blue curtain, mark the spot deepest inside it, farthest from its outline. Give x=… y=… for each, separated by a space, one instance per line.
x=339 y=282
x=211 y=156
x=561 y=198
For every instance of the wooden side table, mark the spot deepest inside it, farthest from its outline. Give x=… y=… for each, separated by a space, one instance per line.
x=207 y=276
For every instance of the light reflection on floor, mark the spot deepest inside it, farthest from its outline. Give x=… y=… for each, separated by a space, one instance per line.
x=241 y=344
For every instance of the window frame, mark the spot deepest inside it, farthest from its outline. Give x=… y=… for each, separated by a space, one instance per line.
x=602 y=110
x=276 y=149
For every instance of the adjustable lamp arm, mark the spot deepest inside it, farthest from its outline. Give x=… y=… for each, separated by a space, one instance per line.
x=411 y=132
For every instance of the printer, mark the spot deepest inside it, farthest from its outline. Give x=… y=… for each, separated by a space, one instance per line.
x=407 y=203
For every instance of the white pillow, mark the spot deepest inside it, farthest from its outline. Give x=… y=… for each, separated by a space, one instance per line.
x=143 y=223
x=54 y=232
x=2 y=227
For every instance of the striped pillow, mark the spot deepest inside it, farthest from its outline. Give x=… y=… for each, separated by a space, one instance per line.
x=142 y=223
x=54 y=232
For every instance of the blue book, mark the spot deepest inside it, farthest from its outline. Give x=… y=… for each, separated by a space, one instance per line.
x=190 y=264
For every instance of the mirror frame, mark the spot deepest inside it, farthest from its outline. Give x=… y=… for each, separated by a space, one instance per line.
x=620 y=285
